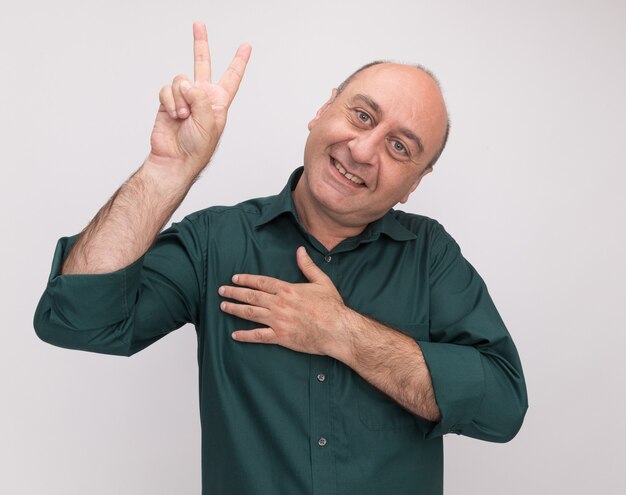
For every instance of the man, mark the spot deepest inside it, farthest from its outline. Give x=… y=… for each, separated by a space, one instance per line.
x=379 y=337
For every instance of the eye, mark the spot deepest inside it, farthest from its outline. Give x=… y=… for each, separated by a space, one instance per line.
x=399 y=147
x=363 y=117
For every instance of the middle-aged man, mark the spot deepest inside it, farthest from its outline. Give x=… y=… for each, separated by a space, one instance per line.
x=378 y=336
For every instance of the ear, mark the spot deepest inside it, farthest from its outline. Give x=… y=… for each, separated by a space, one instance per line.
x=415 y=184
x=323 y=109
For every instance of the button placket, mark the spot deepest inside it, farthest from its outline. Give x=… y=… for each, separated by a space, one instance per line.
x=321 y=427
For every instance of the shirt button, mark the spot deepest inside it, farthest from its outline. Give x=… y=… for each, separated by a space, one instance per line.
x=321 y=442
x=328 y=258
x=321 y=377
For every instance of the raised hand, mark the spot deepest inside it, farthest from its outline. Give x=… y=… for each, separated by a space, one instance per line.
x=192 y=116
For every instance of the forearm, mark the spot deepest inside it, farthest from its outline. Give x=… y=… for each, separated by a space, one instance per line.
x=127 y=225
x=392 y=362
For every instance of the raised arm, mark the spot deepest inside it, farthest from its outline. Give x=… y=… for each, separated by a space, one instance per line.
x=187 y=128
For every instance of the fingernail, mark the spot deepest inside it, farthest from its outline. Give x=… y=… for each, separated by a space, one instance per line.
x=222 y=306
x=221 y=290
x=235 y=278
x=182 y=112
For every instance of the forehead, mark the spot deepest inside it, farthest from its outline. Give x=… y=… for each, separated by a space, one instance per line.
x=388 y=74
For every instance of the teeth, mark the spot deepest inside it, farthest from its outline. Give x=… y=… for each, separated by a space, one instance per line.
x=346 y=174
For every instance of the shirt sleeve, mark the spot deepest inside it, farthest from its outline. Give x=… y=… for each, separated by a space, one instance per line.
x=475 y=368
x=125 y=311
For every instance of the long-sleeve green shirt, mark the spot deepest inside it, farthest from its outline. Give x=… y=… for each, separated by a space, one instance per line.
x=275 y=421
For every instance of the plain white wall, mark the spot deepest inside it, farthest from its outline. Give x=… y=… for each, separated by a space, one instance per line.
x=531 y=185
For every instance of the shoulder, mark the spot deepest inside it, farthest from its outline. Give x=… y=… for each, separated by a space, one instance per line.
x=423 y=227
x=235 y=221
x=250 y=209
x=440 y=249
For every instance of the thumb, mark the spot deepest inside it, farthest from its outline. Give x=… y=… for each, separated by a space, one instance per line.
x=309 y=268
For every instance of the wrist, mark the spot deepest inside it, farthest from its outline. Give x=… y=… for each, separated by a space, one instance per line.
x=169 y=172
x=349 y=324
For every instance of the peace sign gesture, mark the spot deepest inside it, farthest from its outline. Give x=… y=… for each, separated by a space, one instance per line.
x=192 y=117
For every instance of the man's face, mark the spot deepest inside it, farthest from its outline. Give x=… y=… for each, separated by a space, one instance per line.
x=369 y=146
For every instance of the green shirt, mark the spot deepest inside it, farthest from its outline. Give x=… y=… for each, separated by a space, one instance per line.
x=275 y=421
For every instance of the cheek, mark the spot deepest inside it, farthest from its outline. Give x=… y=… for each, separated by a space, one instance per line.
x=396 y=184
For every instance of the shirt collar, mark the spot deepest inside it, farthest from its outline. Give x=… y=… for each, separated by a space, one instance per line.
x=283 y=204
x=389 y=226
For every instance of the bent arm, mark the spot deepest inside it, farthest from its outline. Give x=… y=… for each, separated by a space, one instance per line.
x=467 y=378
x=126 y=310
x=107 y=291
x=473 y=390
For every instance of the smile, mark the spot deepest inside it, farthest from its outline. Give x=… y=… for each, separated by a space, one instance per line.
x=357 y=180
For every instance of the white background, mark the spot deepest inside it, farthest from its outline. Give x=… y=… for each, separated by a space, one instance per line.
x=531 y=186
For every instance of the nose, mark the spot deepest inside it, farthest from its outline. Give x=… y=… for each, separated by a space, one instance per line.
x=366 y=146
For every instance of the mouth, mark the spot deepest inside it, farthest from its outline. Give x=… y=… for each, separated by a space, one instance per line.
x=347 y=177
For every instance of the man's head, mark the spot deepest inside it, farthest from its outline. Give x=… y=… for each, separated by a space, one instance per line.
x=371 y=143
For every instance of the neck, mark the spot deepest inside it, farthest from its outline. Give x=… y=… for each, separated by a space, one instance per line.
x=318 y=222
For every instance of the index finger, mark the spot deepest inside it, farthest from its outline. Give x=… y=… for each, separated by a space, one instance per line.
x=259 y=282
x=201 y=55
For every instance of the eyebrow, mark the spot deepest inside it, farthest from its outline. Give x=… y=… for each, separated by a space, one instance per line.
x=376 y=107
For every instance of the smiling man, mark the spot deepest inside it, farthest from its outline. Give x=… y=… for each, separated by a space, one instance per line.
x=338 y=339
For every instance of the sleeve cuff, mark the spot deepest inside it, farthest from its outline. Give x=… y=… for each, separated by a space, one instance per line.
x=110 y=295
x=458 y=381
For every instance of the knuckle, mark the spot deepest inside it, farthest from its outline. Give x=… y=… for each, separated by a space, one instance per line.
x=177 y=93
x=234 y=71
x=251 y=297
x=166 y=99
x=180 y=78
x=248 y=311
x=165 y=90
